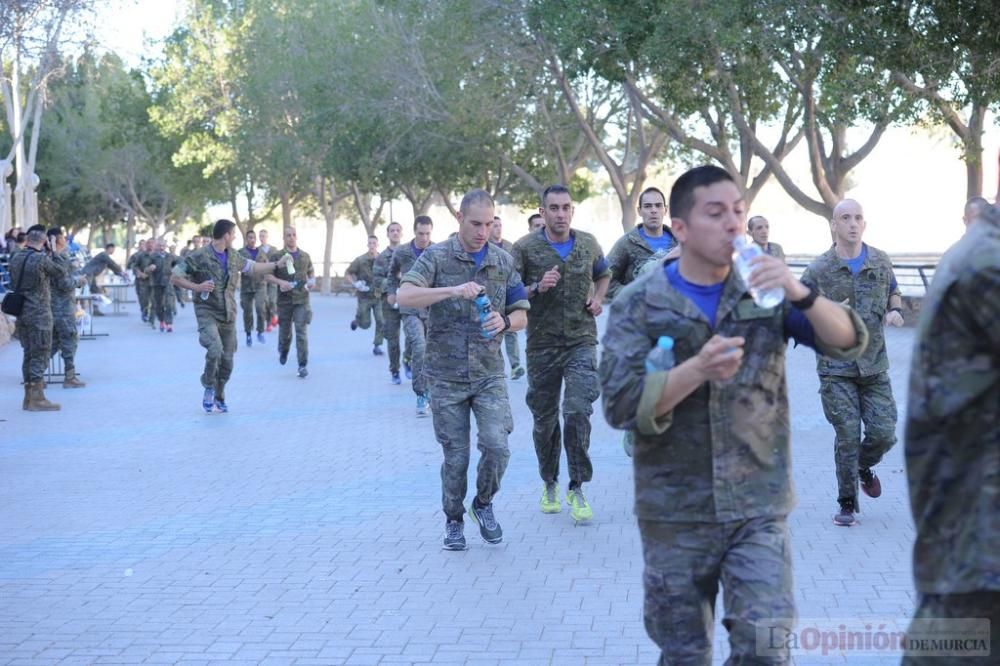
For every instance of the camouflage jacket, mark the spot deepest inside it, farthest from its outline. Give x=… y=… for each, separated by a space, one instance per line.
x=628 y=255
x=868 y=294
x=952 y=433
x=722 y=453
x=380 y=271
x=775 y=250
x=363 y=268
x=138 y=262
x=100 y=263
x=456 y=348
x=402 y=261
x=202 y=264
x=164 y=262
x=559 y=317
x=303 y=272
x=505 y=245
x=249 y=282
x=63 y=288
x=35 y=284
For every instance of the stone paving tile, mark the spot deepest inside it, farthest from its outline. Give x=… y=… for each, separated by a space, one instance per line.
x=304 y=526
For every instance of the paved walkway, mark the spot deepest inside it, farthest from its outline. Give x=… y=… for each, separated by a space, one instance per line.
x=305 y=526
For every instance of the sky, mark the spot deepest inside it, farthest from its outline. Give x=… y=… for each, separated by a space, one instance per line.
x=124 y=26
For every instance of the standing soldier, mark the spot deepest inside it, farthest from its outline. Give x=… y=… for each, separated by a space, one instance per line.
x=760 y=232
x=362 y=276
x=463 y=360
x=271 y=301
x=712 y=464
x=31 y=270
x=212 y=273
x=509 y=339
x=568 y=278
x=391 y=319
x=141 y=282
x=651 y=237
x=253 y=291
x=293 y=299
x=414 y=319
x=857 y=391
x=952 y=439
x=159 y=267
x=63 y=294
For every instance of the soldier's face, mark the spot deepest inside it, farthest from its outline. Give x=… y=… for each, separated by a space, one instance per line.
x=496 y=233
x=251 y=240
x=394 y=233
x=263 y=238
x=652 y=210
x=291 y=238
x=372 y=245
x=537 y=223
x=717 y=217
x=848 y=223
x=474 y=227
x=761 y=231
x=422 y=236
x=558 y=213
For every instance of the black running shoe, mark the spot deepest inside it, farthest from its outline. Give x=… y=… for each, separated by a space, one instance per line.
x=489 y=528
x=454 y=539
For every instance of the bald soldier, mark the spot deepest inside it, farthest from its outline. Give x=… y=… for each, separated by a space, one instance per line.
x=858 y=391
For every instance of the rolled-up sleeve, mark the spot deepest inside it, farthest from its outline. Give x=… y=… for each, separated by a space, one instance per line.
x=852 y=352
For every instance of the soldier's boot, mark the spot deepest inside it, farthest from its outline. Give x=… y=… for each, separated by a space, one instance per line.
x=37 y=401
x=72 y=380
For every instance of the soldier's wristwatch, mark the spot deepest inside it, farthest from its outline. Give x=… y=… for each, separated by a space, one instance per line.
x=506 y=323
x=807 y=302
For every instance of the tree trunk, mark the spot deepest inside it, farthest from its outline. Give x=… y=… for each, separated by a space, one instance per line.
x=286 y=209
x=129 y=236
x=974 y=153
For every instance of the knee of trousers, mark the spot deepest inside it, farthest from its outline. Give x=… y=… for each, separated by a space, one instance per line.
x=674 y=619
x=880 y=436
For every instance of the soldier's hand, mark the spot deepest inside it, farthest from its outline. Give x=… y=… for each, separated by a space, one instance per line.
x=392 y=299
x=893 y=318
x=285 y=285
x=594 y=307
x=720 y=358
x=493 y=323
x=549 y=280
x=770 y=272
x=204 y=287
x=152 y=267
x=468 y=291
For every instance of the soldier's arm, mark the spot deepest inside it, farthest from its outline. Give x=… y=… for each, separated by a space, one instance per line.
x=261 y=267
x=115 y=268
x=179 y=277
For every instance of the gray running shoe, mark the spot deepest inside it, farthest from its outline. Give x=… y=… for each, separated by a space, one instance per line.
x=454 y=539
x=489 y=528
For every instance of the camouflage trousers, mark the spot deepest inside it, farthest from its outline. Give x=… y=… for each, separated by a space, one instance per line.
x=451 y=405
x=416 y=341
x=64 y=339
x=219 y=340
x=300 y=316
x=847 y=403
x=684 y=566
x=983 y=604
x=571 y=372
x=163 y=303
x=142 y=295
x=513 y=353
x=254 y=302
x=36 y=341
x=392 y=322
x=271 y=309
x=370 y=308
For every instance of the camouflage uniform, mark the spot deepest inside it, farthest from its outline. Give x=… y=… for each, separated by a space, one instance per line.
x=775 y=250
x=510 y=339
x=253 y=293
x=369 y=302
x=952 y=440
x=562 y=350
x=163 y=296
x=293 y=306
x=143 y=261
x=99 y=263
x=271 y=295
x=713 y=476
x=465 y=369
x=216 y=315
x=141 y=284
x=392 y=320
x=627 y=257
x=63 y=297
x=34 y=324
x=857 y=391
x=414 y=320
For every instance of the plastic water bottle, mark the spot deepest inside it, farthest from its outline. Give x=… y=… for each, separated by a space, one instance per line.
x=743 y=253
x=485 y=308
x=205 y=294
x=661 y=357
x=290 y=264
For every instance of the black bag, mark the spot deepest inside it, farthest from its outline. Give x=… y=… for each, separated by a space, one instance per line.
x=13 y=302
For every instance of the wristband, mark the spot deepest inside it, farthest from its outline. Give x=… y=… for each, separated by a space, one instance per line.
x=899 y=310
x=506 y=323
x=806 y=302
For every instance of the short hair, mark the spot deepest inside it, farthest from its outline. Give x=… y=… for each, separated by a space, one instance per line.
x=682 y=193
x=422 y=219
x=221 y=228
x=21 y=237
x=37 y=227
x=54 y=231
x=391 y=225
x=250 y=232
x=976 y=206
x=531 y=219
x=750 y=221
x=652 y=189
x=36 y=235
x=475 y=197
x=373 y=237
x=553 y=189
x=109 y=245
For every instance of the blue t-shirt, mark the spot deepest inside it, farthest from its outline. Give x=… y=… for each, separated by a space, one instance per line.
x=253 y=252
x=564 y=248
x=478 y=257
x=857 y=262
x=663 y=242
x=417 y=251
x=223 y=258
x=797 y=326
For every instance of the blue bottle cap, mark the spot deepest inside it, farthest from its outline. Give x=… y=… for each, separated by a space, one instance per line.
x=665 y=342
